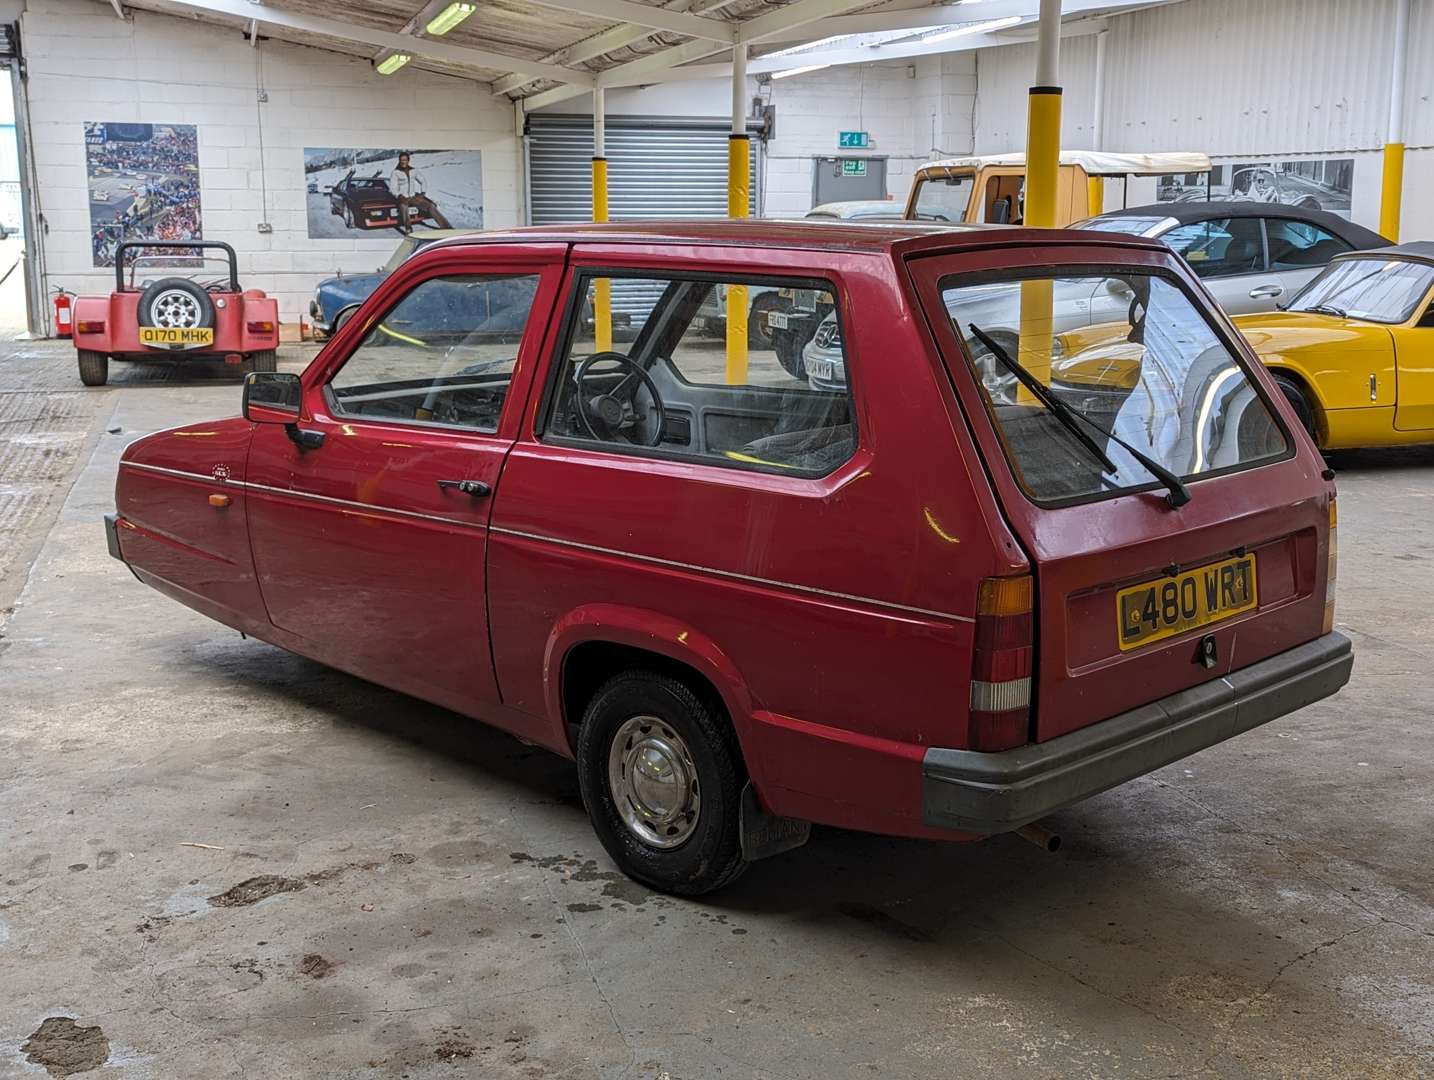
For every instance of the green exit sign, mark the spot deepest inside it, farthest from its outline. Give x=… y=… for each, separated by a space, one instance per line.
x=853 y=167
x=853 y=140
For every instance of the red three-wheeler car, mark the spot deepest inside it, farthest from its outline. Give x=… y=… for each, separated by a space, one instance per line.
x=203 y=315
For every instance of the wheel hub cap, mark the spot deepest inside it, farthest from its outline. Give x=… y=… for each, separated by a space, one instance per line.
x=654 y=782
x=174 y=310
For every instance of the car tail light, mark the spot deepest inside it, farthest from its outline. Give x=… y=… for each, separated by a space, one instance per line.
x=90 y=326
x=1001 y=665
x=1333 y=567
x=261 y=327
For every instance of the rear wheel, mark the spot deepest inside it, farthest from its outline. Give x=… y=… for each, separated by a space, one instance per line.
x=94 y=368
x=1300 y=402
x=661 y=777
x=268 y=360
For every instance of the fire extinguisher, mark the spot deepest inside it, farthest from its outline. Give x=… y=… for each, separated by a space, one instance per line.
x=64 y=319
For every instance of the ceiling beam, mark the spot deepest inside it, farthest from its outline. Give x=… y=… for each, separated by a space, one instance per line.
x=944 y=15
x=790 y=16
x=610 y=40
x=428 y=48
x=872 y=54
x=655 y=18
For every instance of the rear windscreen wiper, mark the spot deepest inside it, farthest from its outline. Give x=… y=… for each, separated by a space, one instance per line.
x=1071 y=420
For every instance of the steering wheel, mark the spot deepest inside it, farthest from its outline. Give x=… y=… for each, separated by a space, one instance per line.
x=615 y=410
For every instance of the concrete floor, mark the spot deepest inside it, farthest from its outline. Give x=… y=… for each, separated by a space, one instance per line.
x=1265 y=908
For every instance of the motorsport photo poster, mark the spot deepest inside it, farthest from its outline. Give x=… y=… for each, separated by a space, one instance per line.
x=353 y=192
x=143 y=184
x=1314 y=183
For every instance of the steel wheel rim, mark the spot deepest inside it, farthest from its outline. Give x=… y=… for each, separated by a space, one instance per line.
x=653 y=780
x=174 y=309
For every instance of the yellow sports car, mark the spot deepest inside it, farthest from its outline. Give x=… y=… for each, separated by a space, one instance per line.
x=1354 y=350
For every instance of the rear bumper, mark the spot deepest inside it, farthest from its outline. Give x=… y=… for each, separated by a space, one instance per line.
x=112 y=535
x=991 y=793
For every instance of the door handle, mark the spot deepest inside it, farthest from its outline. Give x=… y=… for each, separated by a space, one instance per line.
x=476 y=488
x=1260 y=292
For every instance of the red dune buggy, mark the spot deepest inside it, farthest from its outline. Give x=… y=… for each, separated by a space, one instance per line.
x=202 y=316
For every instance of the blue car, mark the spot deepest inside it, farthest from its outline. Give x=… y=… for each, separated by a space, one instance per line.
x=337 y=298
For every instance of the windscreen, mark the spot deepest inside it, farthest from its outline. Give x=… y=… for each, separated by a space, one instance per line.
x=943 y=198
x=1380 y=290
x=1087 y=374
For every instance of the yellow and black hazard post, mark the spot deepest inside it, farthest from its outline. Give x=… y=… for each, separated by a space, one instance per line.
x=739 y=196
x=1043 y=156
x=602 y=287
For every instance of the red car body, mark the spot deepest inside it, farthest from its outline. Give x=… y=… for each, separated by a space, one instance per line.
x=239 y=323
x=836 y=619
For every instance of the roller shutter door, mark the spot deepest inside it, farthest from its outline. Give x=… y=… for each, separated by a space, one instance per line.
x=655 y=169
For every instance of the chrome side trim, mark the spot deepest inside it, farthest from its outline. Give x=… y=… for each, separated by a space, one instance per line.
x=733 y=575
x=372 y=508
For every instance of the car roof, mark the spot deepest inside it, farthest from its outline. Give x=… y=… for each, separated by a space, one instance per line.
x=1203 y=210
x=814 y=234
x=1418 y=250
x=854 y=207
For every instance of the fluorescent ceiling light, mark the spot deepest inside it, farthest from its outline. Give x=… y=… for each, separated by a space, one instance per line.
x=799 y=71
x=972 y=28
x=392 y=62
x=449 y=17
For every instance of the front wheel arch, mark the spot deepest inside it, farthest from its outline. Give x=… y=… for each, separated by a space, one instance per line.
x=1289 y=381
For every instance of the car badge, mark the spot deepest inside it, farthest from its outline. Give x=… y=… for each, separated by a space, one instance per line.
x=219 y=301
x=220 y=472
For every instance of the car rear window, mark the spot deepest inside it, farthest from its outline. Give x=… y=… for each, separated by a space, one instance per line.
x=1131 y=367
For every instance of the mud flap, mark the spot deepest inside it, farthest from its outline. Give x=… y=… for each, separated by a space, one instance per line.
x=764 y=834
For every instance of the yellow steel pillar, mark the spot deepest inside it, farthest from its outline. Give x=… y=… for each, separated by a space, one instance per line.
x=602 y=287
x=739 y=187
x=1095 y=202
x=1043 y=154
x=1392 y=189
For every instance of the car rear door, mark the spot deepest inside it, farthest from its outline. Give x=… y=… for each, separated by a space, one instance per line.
x=1090 y=554
x=369 y=518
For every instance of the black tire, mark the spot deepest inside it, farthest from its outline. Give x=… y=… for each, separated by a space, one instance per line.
x=711 y=854
x=94 y=368
x=341 y=318
x=267 y=360
x=759 y=334
x=1300 y=402
x=167 y=291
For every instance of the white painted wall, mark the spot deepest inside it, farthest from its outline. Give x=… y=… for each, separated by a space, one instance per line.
x=86 y=64
x=1241 y=81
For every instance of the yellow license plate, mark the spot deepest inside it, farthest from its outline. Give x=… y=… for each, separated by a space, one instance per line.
x=1160 y=609
x=192 y=335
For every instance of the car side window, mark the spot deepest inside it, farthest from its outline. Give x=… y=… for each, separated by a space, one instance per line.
x=1220 y=248
x=672 y=378
x=442 y=355
x=1299 y=245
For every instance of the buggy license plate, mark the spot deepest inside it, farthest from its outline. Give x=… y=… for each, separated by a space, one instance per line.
x=176 y=337
x=1160 y=609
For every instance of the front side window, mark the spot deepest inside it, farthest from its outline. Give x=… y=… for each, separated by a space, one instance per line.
x=1092 y=409
x=1301 y=245
x=1220 y=248
x=1380 y=290
x=944 y=198
x=444 y=354
x=673 y=379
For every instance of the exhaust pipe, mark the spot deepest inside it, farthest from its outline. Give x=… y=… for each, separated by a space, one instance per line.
x=1042 y=837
